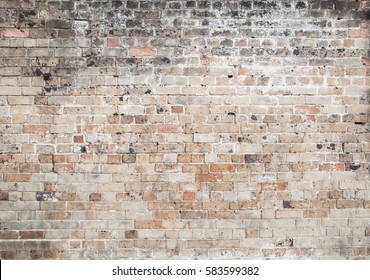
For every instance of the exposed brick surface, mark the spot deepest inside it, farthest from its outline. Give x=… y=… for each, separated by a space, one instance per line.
x=184 y=129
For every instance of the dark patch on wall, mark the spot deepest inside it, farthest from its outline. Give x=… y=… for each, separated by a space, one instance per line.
x=4 y=196
x=300 y=5
x=354 y=166
x=331 y=147
x=250 y=158
x=45 y=196
x=286 y=204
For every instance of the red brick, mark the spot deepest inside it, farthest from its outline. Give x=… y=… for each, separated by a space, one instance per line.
x=63 y=168
x=15 y=33
x=332 y=166
x=31 y=234
x=113 y=42
x=4 y=196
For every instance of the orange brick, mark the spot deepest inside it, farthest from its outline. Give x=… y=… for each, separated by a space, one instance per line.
x=166 y=215
x=17 y=177
x=142 y=52
x=222 y=167
x=208 y=177
x=78 y=139
x=155 y=224
x=279 y=186
x=252 y=233
x=49 y=254
x=184 y=158
x=189 y=196
x=308 y=109
x=29 y=128
x=177 y=109
x=114 y=159
x=59 y=158
x=169 y=128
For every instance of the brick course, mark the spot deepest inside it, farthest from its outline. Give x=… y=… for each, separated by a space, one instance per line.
x=184 y=129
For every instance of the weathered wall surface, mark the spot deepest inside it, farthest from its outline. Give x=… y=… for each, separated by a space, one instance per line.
x=184 y=129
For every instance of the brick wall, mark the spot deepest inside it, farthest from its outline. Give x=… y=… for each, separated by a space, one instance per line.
x=184 y=129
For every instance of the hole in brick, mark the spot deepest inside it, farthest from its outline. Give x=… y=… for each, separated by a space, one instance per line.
x=286 y=204
x=319 y=146
x=38 y=72
x=47 y=76
x=354 y=166
x=250 y=158
x=331 y=147
x=300 y=5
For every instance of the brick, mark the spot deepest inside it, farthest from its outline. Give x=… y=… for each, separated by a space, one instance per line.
x=208 y=178
x=156 y=224
x=113 y=42
x=343 y=203
x=14 y=33
x=169 y=128
x=31 y=234
x=131 y=234
x=141 y=52
x=333 y=166
x=227 y=134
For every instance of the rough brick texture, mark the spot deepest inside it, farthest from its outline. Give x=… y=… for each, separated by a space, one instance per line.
x=184 y=129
